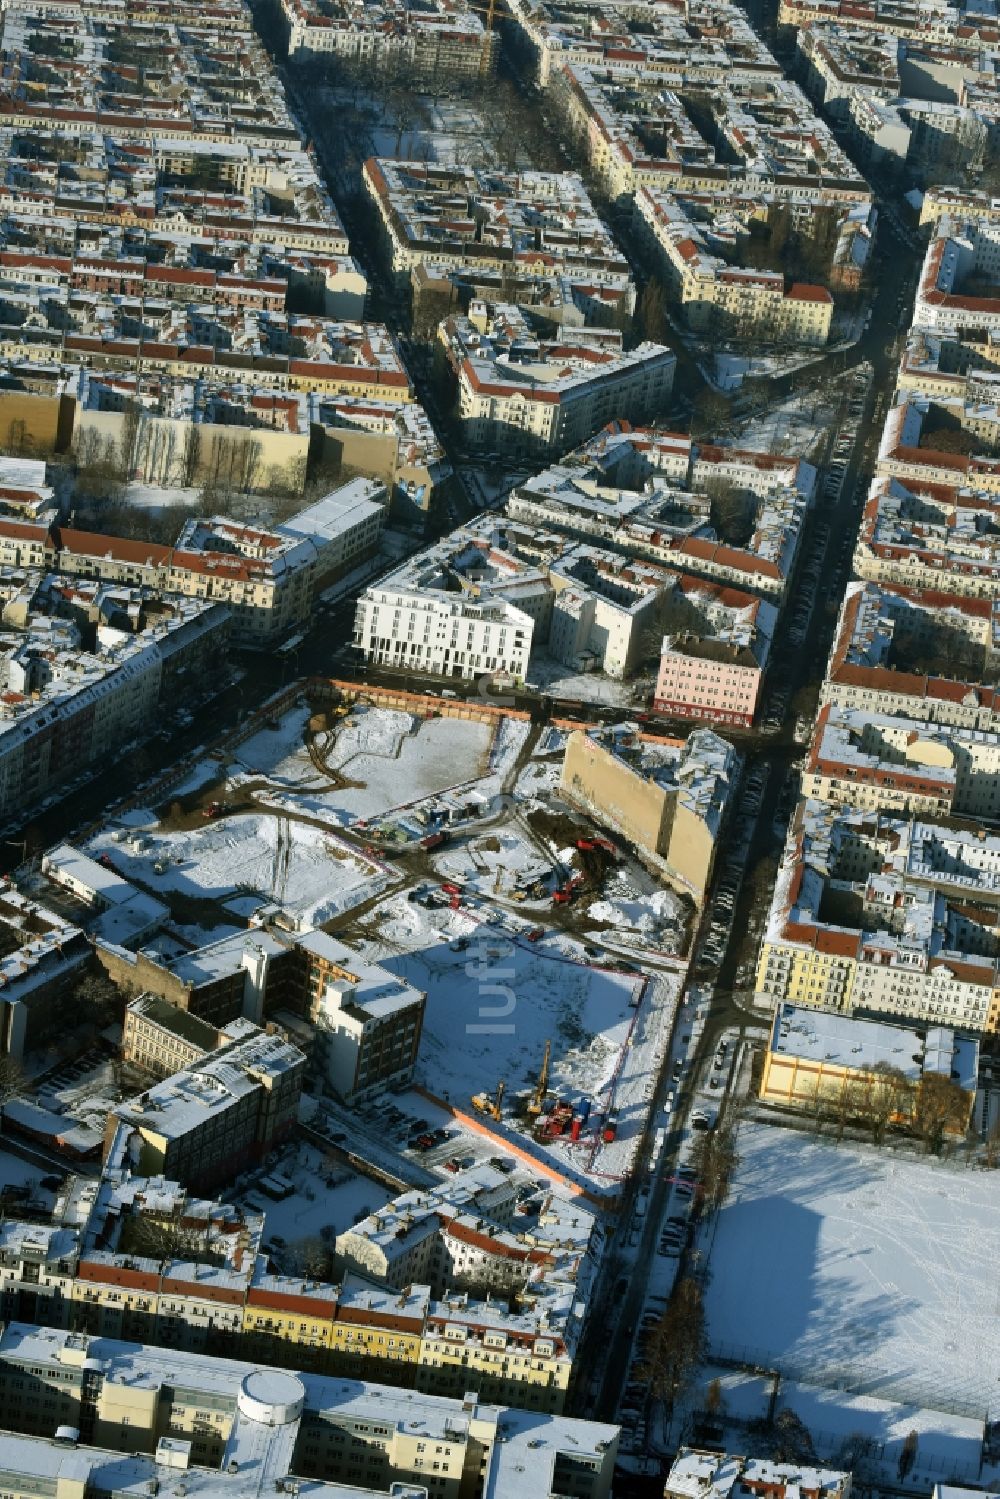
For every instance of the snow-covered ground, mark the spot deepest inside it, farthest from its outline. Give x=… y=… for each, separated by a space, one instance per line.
x=17 y=1173
x=862 y=1431
x=541 y=775
x=497 y=862
x=304 y=869
x=329 y=1197
x=156 y=499
x=387 y=760
x=584 y=687
x=860 y=1269
x=637 y=912
x=494 y=999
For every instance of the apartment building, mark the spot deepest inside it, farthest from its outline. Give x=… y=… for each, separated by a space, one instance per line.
x=815 y=1059
x=604 y=611
x=219 y=575
x=393 y=441
x=888 y=645
x=930 y=536
x=647 y=494
x=465 y=607
x=667 y=797
x=85 y=667
x=843 y=63
x=901 y=457
x=891 y=919
x=902 y=765
x=529 y=227
x=634 y=116
x=205 y=1124
x=366 y=1021
x=918 y=19
x=247 y=974
x=522 y=1293
x=720 y=299
x=958 y=251
x=641 y=36
x=141 y=1258
x=211 y=1421
x=712 y=664
x=44 y=956
x=695 y=1474
x=526 y=396
x=161 y=1039
x=441 y=41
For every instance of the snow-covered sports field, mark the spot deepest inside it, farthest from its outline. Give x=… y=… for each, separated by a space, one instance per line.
x=846 y=1265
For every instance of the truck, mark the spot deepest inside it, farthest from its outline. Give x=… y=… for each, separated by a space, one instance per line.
x=610 y=1130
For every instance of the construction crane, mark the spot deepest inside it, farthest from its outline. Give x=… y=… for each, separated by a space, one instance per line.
x=537 y=1098
x=487 y=1103
x=487 y=9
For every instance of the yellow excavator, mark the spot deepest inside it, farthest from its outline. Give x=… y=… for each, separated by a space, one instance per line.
x=490 y=1103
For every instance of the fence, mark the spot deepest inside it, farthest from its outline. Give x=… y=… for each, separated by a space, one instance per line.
x=865 y=1377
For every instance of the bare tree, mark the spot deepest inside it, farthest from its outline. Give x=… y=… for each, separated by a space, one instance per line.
x=715 y=1404
x=98 y=1000
x=940 y=1107
x=12 y=1079
x=885 y=1095
x=908 y=1454
x=792 y=1442
x=676 y=1344
x=191 y=457
x=715 y=1159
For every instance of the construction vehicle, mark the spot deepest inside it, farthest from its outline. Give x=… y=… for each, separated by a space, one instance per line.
x=490 y=1103
x=541 y=1087
x=588 y=845
x=610 y=1129
x=214 y=809
x=567 y=891
x=555 y=1123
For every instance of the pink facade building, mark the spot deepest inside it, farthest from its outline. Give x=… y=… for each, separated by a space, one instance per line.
x=713 y=668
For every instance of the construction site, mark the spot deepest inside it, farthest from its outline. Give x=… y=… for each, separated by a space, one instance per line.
x=521 y=920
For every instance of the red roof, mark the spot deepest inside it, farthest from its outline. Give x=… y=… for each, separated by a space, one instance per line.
x=802 y=291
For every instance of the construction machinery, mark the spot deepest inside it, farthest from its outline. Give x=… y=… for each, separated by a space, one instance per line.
x=490 y=1103
x=564 y=895
x=555 y=1123
x=537 y=1098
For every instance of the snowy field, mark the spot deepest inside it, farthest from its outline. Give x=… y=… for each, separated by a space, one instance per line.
x=857 y=1268
x=305 y=870
x=492 y=1005
x=382 y=760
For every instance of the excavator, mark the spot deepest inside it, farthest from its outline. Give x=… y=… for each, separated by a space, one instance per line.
x=490 y=1103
